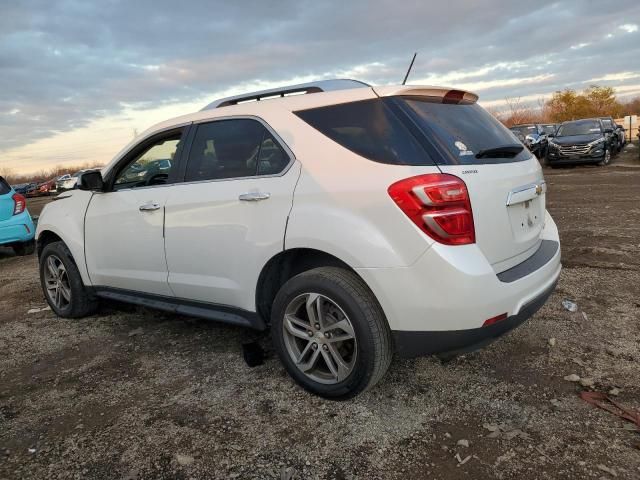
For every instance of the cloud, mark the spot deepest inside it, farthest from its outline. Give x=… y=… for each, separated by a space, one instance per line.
x=629 y=27
x=616 y=77
x=69 y=65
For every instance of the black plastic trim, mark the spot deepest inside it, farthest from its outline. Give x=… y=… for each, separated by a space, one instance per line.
x=558 y=160
x=455 y=342
x=545 y=252
x=207 y=311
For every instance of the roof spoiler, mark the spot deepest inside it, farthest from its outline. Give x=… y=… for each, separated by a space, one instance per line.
x=438 y=94
x=299 y=89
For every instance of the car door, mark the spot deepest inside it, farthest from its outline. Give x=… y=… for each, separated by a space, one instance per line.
x=228 y=217
x=124 y=226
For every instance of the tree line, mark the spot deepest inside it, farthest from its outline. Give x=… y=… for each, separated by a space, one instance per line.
x=568 y=104
x=15 y=178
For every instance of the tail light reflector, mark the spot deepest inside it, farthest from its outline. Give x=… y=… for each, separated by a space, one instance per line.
x=19 y=203
x=496 y=319
x=439 y=204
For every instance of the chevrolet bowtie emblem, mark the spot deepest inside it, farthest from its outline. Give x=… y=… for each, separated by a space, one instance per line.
x=538 y=189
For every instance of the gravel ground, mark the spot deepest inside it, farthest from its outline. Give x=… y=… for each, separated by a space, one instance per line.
x=132 y=393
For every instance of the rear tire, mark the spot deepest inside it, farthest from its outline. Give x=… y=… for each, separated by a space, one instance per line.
x=23 y=249
x=62 y=284
x=342 y=298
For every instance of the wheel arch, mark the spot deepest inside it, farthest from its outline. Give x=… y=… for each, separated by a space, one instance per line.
x=48 y=234
x=286 y=265
x=45 y=238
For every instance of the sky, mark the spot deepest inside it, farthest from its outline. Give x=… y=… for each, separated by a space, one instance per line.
x=78 y=79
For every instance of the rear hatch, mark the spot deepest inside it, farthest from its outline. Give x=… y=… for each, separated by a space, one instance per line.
x=504 y=180
x=7 y=204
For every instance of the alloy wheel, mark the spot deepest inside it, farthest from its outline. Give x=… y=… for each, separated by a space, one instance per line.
x=319 y=338
x=57 y=283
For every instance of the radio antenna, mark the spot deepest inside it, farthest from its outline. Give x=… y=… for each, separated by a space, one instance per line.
x=409 y=69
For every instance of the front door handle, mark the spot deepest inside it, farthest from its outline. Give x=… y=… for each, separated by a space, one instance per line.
x=254 y=196
x=149 y=207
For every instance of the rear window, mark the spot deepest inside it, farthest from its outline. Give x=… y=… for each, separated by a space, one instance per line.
x=370 y=129
x=4 y=187
x=461 y=131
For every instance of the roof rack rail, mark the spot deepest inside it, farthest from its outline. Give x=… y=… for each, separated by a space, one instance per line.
x=302 y=88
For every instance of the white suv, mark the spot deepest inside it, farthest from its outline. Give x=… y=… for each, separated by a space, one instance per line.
x=352 y=221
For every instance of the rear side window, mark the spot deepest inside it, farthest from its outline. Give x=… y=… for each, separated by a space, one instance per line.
x=370 y=129
x=460 y=131
x=4 y=187
x=234 y=149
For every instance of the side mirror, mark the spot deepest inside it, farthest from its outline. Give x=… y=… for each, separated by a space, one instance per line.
x=551 y=135
x=608 y=130
x=91 y=181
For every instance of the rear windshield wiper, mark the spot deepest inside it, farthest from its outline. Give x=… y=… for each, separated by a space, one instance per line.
x=508 y=151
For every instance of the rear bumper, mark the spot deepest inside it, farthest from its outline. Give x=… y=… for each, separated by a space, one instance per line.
x=17 y=229
x=456 y=342
x=455 y=289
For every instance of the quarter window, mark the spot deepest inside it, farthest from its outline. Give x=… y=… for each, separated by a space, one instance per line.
x=370 y=129
x=234 y=149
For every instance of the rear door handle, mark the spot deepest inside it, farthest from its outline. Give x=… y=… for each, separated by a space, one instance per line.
x=254 y=196
x=149 y=207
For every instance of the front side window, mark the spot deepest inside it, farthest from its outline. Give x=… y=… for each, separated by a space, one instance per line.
x=234 y=148
x=152 y=166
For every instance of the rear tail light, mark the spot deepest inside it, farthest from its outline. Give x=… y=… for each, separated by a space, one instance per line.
x=439 y=205
x=19 y=203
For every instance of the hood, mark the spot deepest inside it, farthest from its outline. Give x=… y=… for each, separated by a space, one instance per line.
x=573 y=139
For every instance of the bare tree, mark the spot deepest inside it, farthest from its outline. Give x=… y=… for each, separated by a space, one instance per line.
x=518 y=112
x=6 y=172
x=44 y=174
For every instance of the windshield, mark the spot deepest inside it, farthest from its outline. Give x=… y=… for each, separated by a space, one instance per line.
x=464 y=130
x=607 y=123
x=524 y=130
x=584 y=127
x=549 y=128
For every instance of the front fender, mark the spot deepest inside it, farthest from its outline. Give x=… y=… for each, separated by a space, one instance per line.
x=65 y=218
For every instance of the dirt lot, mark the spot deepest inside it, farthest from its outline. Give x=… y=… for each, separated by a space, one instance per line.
x=132 y=393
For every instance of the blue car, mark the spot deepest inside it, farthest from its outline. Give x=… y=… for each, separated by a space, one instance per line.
x=16 y=226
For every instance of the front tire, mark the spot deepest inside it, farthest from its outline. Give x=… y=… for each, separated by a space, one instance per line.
x=62 y=284
x=330 y=333
x=607 y=158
